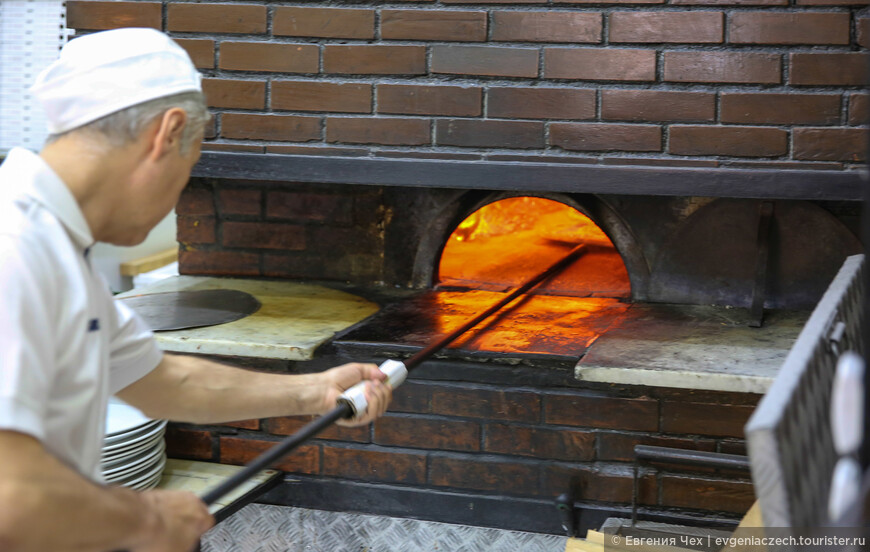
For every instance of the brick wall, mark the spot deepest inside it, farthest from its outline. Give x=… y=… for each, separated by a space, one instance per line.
x=721 y=82
x=523 y=442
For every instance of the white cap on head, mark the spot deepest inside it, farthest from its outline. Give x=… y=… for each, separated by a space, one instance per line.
x=101 y=73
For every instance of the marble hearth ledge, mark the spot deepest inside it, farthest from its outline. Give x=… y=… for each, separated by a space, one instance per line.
x=693 y=347
x=677 y=346
x=293 y=321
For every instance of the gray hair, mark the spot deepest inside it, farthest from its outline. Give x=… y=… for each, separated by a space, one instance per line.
x=125 y=126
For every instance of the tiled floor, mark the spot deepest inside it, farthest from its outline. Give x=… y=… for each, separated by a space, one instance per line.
x=259 y=527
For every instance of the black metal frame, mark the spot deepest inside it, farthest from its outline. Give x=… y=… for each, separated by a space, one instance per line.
x=536 y=177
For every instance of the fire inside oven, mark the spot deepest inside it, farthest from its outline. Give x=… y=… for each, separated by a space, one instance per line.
x=491 y=252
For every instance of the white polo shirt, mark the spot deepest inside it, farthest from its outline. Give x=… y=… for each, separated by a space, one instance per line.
x=65 y=344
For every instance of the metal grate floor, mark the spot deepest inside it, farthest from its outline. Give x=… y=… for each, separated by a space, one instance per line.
x=262 y=528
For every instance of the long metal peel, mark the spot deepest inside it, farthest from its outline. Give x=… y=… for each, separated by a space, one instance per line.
x=353 y=403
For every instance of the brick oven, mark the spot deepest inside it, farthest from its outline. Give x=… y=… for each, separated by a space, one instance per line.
x=716 y=143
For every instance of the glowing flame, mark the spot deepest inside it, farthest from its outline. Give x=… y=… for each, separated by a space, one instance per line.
x=504 y=243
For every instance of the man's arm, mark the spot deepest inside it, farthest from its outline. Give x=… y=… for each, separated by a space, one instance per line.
x=45 y=505
x=196 y=390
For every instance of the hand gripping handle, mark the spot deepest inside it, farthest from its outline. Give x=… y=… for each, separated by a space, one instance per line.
x=355 y=397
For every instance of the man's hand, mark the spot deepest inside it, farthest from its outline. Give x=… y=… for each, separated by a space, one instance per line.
x=181 y=519
x=378 y=391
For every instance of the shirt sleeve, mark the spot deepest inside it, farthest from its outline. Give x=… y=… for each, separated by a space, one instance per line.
x=27 y=338
x=134 y=352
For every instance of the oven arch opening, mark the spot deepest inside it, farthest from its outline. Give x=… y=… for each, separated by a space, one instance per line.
x=506 y=240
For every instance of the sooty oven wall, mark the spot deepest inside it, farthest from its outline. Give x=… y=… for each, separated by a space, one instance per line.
x=765 y=84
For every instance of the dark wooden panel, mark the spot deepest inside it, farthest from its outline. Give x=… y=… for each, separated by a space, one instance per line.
x=536 y=177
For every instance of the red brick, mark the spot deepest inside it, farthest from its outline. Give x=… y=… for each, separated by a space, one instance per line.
x=724 y=420
x=195 y=229
x=619 y=64
x=786 y=109
x=620 y=446
x=830 y=144
x=348 y=97
x=256 y=126
x=541 y=103
x=393 y=131
x=612 y=2
x=493 y=61
x=789 y=28
x=195 y=201
x=375 y=465
x=429 y=100
x=546 y=26
x=236 y=94
x=318 y=150
x=674 y=27
x=374 y=59
x=240 y=202
x=727 y=140
x=216 y=18
x=201 y=51
x=843 y=69
x=654 y=162
x=657 y=105
x=604 y=412
x=859 y=109
x=598 y=483
x=98 y=16
x=238 y=451
x=493 y=1
x=862 y=24
x=411 y=397
x=264 y=56
x=802 y=165
x=489 y=133
x=218 y=263
x=210 y=130
x=832 y=2
x=517 y=406
x=467 y=26
x=472 y=472
x=737 y=67
x=430 y=433
x=289 y=425
x=606 y=137
x=556 y=444
x=189 y=443
x=707 y=494
x=310 y=207
x=729 y=2
x=244 y=424
x=263 y=235
x=246 y=148
x=732 y=447
x=324 y=22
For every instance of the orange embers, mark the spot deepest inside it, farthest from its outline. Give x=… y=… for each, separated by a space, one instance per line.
x=503 y=244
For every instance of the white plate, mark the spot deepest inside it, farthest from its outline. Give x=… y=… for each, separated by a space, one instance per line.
x=156 y=471
x=150 y=484
x=137 y=439
x=108 y=461
x=127 y=435
x=132 y=464
x=122 y=417
x=129 y=449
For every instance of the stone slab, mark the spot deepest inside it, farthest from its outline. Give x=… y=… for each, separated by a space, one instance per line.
x=692 y=347
x=292 y=322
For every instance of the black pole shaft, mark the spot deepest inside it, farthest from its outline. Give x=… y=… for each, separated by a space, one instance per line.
x=277 y=452
x=343 y=410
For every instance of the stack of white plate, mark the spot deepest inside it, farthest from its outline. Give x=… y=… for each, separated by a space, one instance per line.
x=134 y=450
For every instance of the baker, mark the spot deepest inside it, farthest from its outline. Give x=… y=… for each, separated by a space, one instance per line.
x=126 y=116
